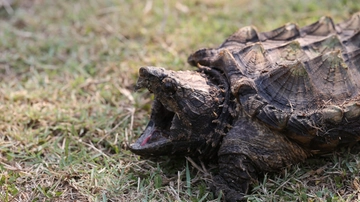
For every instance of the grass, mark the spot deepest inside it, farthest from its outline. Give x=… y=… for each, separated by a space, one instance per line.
x=68 y=109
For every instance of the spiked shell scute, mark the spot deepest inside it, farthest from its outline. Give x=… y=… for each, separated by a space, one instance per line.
x=302 y=79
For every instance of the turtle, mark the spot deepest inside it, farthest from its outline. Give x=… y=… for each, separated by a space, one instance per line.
x=259 y=102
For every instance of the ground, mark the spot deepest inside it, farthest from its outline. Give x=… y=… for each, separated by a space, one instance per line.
x=68 y=109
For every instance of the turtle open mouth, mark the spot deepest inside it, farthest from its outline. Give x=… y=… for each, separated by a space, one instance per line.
x=157 y=131
x=183 y=111
x=155 y=139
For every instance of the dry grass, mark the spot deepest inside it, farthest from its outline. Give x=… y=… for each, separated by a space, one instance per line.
x=68 y=110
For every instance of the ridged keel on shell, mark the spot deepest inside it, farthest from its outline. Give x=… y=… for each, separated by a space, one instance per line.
x=285 y=33
x=289 y=87
x=252 y=60
x=350 y=26
x=322 y=27
x=304 y=77
x=330 y=74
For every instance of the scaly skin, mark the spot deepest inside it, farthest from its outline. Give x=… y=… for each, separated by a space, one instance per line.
x=189 y=114
x=259 y=102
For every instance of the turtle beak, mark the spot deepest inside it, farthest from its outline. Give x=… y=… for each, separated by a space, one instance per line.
x=184 y=107
x=150 y=77
x=154 y=140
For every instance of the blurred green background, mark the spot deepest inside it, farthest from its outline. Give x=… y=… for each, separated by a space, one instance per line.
x=68 y=109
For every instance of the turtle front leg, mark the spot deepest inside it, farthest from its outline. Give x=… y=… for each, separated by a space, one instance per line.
x=236 y=175
x=248 y=149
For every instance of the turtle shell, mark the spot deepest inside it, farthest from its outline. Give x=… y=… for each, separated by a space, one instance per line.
x=303 y=81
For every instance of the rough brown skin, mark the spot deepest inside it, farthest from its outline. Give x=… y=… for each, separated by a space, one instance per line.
x=190 y=112
x=259 y=102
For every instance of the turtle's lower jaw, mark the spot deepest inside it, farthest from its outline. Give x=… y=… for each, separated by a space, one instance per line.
x=155 y=138
x=151 y=142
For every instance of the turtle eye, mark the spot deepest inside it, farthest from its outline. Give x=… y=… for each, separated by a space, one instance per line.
x=169 y=85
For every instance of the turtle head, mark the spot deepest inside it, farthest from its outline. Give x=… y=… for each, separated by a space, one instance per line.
x=185 y=107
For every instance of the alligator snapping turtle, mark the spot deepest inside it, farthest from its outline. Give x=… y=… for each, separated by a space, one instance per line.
x=259 y=102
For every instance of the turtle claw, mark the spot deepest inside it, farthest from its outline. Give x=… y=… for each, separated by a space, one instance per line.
x=221 y=189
